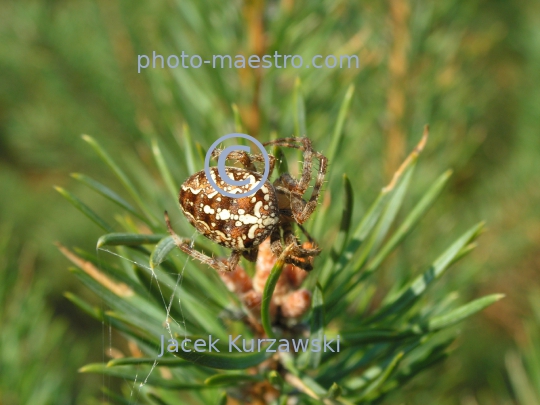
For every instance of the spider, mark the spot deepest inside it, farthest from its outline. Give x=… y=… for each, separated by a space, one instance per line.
x=242 y=224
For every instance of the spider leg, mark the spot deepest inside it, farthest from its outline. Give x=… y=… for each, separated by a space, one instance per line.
x=271 y=160
x=251 y=254
x=309 y=208
x=298 y=256
x=275 y=241
x=298 y=251
x=184 y=246
x=304 y=144
x=305 y=232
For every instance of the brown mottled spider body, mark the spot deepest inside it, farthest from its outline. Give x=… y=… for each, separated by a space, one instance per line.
x=236 y=223
x=242 y=224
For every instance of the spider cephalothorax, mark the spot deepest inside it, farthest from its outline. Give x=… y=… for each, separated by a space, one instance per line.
x=242 y=224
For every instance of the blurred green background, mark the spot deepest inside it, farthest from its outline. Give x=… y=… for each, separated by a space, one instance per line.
x=469 y=69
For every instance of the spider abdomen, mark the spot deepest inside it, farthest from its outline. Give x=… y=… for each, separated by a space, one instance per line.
x=237 y=223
